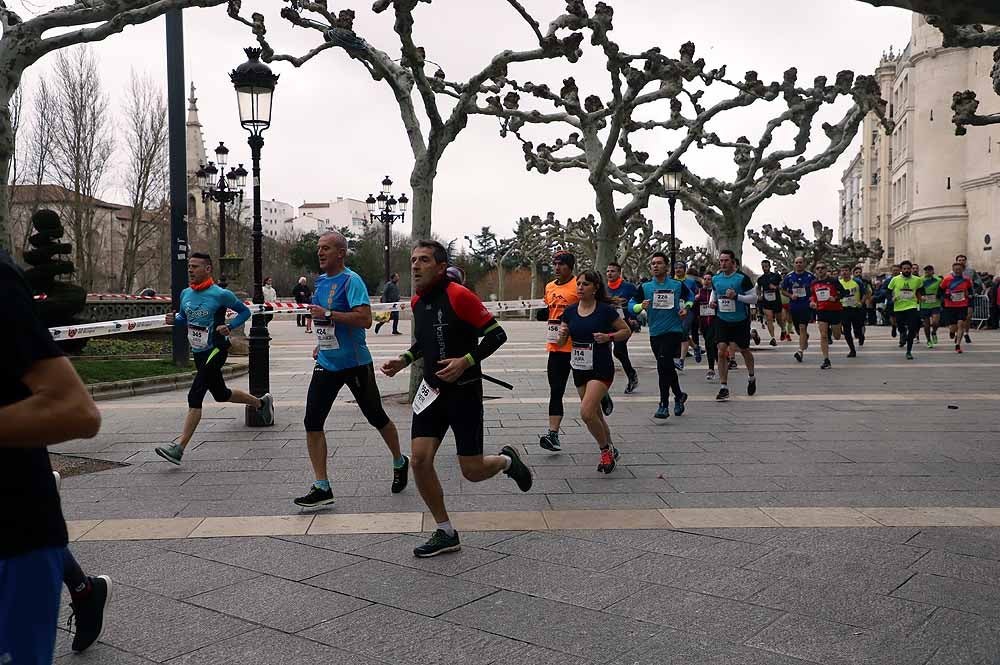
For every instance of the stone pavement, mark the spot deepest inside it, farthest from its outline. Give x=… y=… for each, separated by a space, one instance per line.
x=847 y=516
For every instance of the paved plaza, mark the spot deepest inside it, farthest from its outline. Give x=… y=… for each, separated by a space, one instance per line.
x=847 y=516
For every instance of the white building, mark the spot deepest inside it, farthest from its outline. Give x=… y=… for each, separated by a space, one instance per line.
x=343 y=212
x=851 y=217
x=925 y=192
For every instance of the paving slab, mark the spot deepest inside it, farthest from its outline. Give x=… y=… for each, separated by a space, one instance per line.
x=267 y=647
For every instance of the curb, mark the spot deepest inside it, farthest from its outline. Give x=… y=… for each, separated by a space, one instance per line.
x=156 y=384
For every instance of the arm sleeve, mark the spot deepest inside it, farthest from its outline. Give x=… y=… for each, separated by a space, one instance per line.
x=494 y=337
x=357 y=292
x=749 y=295
x=242 y=311
x=179 y=316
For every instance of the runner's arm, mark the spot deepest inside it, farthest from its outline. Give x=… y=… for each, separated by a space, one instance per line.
x=242 y=312
x=470 y=309
x=59 y=408
x=494 y=336
x=749 y=295
x=359 y=317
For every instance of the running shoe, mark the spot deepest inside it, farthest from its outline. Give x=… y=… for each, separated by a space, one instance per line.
x=315 y=498
x=266 y=410
x=723 y=394
x=909 y=356
x=679 y=364
x=861 y=341
x=439 y=543
x=756 y=337
x=968 y=340
x=732 y=364
x=930 y=344
x=894 y=331
x=633 y=383
x=902 y=343
x=710 y=375
x=679 y=404
x=518 y=471
x=826 y=364
x=550 y=441
x=661 y=415
x=88 y=613
x=934 y=337
x=958 y=349
x=773 y=342
x=852 y=354
x=608 y=457
x=171 y=453
x=400 y=475
x=697 y=354
x=951 y=334
x=607 y=406
x=752 y=386
x=798 y=356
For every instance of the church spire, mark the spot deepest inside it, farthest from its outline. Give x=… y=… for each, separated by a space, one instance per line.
x=196 y=154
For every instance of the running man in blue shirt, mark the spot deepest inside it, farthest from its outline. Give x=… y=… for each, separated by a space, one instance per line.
x=341 y=312
x=733 y=293
x=203 y=313
x=797 y=286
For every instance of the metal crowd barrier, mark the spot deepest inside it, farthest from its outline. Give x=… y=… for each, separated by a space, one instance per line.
x=980 y=310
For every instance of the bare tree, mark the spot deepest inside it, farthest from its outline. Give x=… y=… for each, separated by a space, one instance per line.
x=958 y=12
x=38 y=147
x=602 y=131
x=24 y=42
x=83 y=144
x=410 y=72
x=782 y=245
x=145 y=174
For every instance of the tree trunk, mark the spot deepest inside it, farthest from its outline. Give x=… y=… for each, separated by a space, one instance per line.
x=500 y=277
x=732 y=233
x=6 y=155
x=609 y=229
x=534 y=280
x=422 y=182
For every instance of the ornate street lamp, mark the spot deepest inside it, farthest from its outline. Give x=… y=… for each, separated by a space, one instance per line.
x=224 y=190
x=255 y=82
x=672 y=181
x=382 y=208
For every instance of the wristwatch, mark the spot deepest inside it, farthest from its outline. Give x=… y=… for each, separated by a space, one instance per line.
x=328 y=313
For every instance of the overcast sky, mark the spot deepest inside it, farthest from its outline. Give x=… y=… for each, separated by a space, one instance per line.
x=336 y=132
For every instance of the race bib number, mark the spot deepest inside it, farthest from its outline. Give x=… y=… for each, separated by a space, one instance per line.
x=663 y=300
x=957 y=296
x=799 y=291
x=930 y=300
x=583 y=357
x=425 y=397
x=906 y=294
x=770 y=296
x=727 y=305
x=552 y=333
x=708 y=310
x=326 y=336
x=823 y=295
x=197 y=337
x=850 y=301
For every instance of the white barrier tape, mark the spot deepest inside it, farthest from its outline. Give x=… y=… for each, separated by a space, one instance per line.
x=152 y=322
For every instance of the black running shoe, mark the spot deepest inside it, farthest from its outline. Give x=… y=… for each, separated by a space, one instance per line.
x=550 y=441
x=89 y=613
x=518 y=471
x=894 y=332
x=723 y=394
x=752 y=386
x=773 y=342
x=732 y=364
x=633 y=383
x=609 y=457
x=439 y=543
x=756 y=337
x=968 y=340
x=798 y=356
x=607 y=406
x=679 y=404
x=400 y=476
x=852 y=354
x=316 y=497
x=826 y=364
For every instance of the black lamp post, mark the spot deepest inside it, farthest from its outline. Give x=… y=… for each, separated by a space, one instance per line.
x=383 y=209
x=672 y=181
x=254 y=82
x=224 y=191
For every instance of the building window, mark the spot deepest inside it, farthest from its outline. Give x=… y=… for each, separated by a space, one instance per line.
x=949 y=183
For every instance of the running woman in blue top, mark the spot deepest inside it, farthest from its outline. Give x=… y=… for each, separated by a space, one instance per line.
x=341 y=312
x=733 y=293
x=203 y=313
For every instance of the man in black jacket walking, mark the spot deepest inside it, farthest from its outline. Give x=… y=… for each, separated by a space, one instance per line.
x=391 y=294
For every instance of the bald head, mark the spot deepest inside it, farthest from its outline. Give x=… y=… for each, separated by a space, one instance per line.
x=332 y=251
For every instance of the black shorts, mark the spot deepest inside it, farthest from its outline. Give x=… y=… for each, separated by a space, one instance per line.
x=773 y=305
x=325 y=385
x=461 y=409
x=802 y=317
x=209 y=378
x=733 y=332
x=834 y=318
x=926 y=313
x=951 y=316
x=581 y=377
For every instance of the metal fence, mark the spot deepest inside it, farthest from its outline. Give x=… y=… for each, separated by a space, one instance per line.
x=980 y=310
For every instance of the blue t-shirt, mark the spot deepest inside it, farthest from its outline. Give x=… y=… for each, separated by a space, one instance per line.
x=666 y=299
x=721 y=283
x=582 y=329
x=793 y=281
x=203 y=311
x=627 y=292
x=692 y=285
x=340 y=293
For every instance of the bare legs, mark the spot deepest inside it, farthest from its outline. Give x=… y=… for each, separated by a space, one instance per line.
x=194 y=415
x=474 y=468
x=316 y=443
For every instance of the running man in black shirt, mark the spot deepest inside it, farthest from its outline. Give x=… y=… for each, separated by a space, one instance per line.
x=769 y=298
x=448 y=321
x=42 y=403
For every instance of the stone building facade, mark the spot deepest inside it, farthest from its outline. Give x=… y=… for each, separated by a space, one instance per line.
x=926 y=193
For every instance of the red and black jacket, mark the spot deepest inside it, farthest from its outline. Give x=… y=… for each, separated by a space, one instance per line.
x=448 y=320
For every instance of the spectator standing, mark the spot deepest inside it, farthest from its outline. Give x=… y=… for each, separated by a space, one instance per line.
x=390 y=294
x=303 y=296
x=270 y=295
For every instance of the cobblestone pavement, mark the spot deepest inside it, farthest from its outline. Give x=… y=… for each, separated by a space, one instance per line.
x=847 y=516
